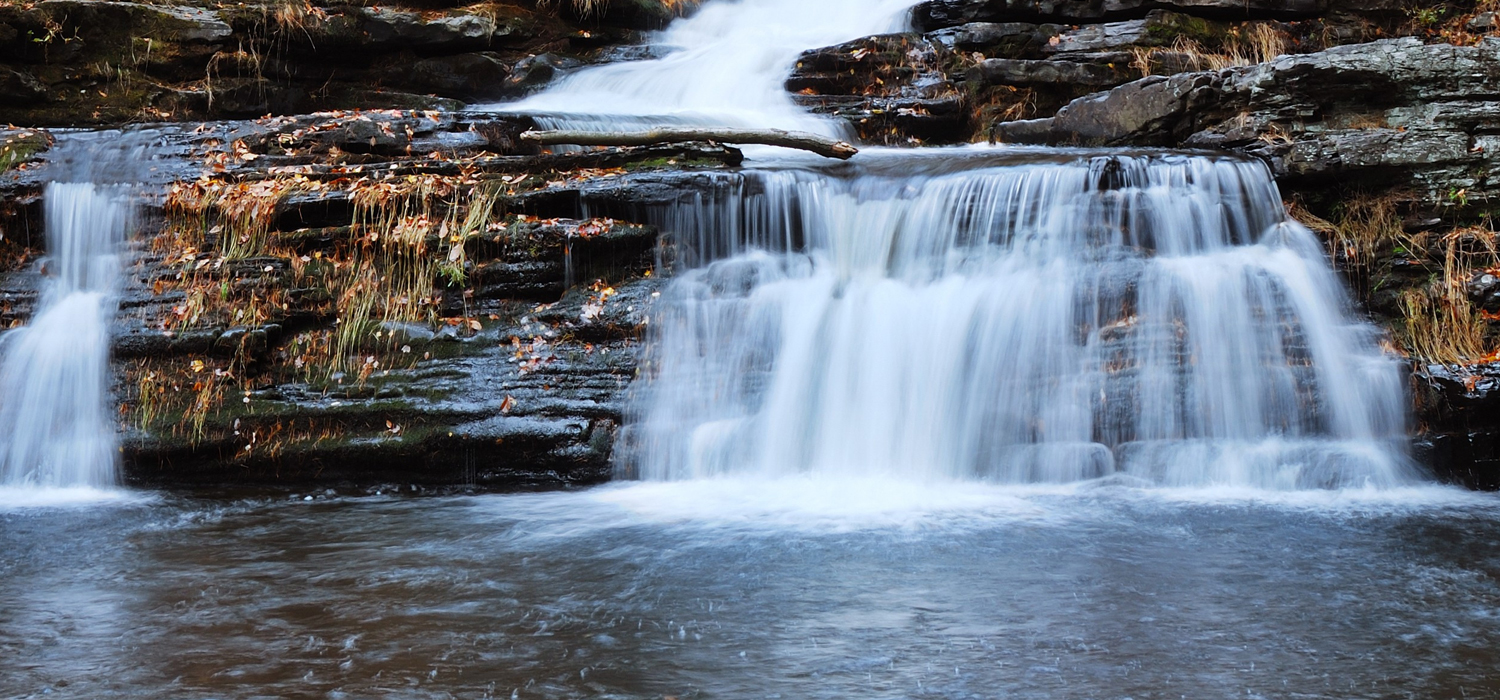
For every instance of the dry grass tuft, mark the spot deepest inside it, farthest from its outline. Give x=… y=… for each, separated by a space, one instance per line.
x=1441 y=324
x=1367 y=227
x=589 y=8
x=1438 y=321
x=1256 y=42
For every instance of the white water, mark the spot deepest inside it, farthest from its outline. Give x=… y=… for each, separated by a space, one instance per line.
x=57 y=434
x=726 y=65
x=1013 y=320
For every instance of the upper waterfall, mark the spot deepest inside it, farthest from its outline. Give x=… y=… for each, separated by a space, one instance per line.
x=724 y=66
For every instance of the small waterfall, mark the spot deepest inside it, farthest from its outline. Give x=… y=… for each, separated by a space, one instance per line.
x=56 y=426
x=1012 y=316
x=725 y=66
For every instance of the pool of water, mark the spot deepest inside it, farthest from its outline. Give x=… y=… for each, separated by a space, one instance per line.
x=735 y=589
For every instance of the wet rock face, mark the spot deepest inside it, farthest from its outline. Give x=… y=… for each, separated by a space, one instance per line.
x=1386 y=113
x=494 y=331
x=523 y=402
x=1460 y=436
x=893 y=89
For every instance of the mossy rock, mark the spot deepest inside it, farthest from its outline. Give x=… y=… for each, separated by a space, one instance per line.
x=1165 y=28
x=75 y=30
x=21 y=145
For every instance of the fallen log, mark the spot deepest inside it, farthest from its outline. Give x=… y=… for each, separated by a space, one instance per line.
x=765 y=137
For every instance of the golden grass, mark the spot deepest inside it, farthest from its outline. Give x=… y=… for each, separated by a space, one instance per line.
x=1366 y=227
x=588 y=8
x=1249 y=44
x=1445 y=326
x=1004 y=103
x=404 y=231
x=1438 y=321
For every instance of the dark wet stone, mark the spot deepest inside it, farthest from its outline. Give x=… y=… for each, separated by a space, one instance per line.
x=537 y=71
x=938 y=14
x=1004 y=71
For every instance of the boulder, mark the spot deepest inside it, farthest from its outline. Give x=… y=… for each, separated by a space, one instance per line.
x=534 y=72
x=892 y=88
x=466 y=76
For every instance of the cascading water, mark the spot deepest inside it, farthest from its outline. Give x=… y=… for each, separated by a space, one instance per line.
x=1002 y=314
x=1044 y=321
x=724 y=66
x=56 y=429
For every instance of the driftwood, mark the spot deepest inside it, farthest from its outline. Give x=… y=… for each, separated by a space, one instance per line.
x=766 y=137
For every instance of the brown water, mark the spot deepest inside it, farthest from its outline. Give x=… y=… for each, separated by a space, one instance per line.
x=734 y=590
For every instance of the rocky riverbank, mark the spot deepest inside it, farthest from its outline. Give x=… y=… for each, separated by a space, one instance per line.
x=395 y=291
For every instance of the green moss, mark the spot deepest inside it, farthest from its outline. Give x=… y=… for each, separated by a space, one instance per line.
x=18 y=147
x=665 y=163
x=1168 y=27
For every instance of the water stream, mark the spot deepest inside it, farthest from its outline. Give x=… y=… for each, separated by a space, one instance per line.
x=57 y=431
x=726 y=65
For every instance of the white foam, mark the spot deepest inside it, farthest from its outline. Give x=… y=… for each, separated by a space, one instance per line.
x=26 y=497
x=821 y=504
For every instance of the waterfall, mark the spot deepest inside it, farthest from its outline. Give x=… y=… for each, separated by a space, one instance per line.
x=56 y=426
x=725 y=66
x=1013 y=316
x=998 y=314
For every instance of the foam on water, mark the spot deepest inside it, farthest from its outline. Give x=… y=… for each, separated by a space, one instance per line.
x=28 y=497
x=702 y=510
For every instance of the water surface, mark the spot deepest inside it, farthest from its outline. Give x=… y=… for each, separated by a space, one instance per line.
x=725 y=589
